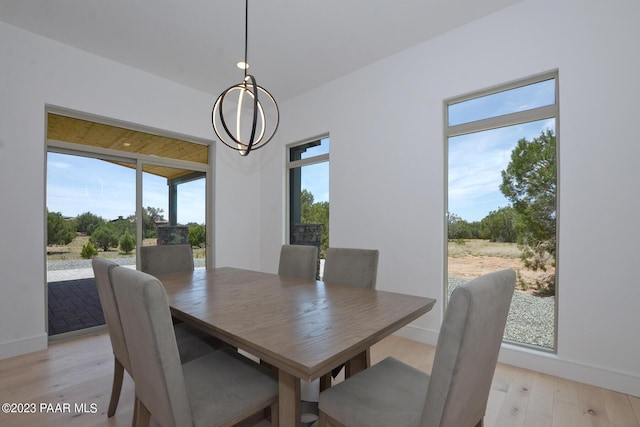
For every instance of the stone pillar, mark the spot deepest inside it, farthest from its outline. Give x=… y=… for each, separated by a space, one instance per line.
x=310 y=235
x=173 y=235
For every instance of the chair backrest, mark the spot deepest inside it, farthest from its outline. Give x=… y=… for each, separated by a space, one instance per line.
x=102 y=270
x=298 y=261
x=352 y=267
x=162 y=259
x=467 y=351
x=148 y=329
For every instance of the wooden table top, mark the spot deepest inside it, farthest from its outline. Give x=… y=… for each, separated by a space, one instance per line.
x=301 y=326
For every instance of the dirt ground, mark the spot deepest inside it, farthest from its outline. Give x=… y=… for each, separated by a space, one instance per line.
x=73 y=249
x=474 y=266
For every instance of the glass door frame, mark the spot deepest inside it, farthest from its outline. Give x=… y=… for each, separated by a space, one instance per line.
x=139 y=160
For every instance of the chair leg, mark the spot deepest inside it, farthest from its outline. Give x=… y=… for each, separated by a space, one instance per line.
x=118 y=375
x=325 y=420
x=134 y=419
x=322 y=419
x=275 y=415
x=142 y=415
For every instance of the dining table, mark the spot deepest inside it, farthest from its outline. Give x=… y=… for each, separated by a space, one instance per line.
x=303 y=328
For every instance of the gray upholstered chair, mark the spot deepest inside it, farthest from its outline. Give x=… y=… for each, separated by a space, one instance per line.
x=298 y=261
x=351 y=267
x=162 y=259
x=456 y=392
x=192 y=343
x=219 y=389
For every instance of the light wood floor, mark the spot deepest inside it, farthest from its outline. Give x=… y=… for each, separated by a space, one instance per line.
x=80 y=372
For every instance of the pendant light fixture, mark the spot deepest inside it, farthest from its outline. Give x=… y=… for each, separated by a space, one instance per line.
x=245 y=116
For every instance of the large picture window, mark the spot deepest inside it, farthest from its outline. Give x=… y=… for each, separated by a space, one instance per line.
x=502 y=198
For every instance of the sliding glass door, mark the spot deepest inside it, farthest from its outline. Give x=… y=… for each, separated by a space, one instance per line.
x=110 y=191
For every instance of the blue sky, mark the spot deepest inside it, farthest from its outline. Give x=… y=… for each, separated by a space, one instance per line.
x=475 y=160
x=475 y=164
x=315 y=178
x=78 y=184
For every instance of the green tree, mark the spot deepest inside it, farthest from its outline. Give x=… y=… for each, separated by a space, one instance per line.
x=59 y=230
x=458 y=228
x=104 y=238
x=529 y=183
x=87 y=222
x=475 y=229
x=499 y=226
x=127 y=242
x=150 y=216
x=197 y=235
x=315 y=213
x=88 y=251
x=121 y=226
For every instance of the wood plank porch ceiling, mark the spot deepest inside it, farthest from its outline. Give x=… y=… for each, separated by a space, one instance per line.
x=85 y=132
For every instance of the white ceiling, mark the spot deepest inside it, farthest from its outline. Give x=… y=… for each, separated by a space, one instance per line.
x=294 y=45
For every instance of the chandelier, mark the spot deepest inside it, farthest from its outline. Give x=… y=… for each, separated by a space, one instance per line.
x=245 y=116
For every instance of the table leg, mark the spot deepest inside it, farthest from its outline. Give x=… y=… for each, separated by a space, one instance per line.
x=289 y=399
x=357 y=364
x=325 y=381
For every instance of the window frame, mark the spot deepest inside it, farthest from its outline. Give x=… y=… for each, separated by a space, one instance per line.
x=505 y=120
x=293 y=164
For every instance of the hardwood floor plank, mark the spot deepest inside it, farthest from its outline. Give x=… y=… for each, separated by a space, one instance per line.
x=592 y=407
x=514 y=408
x=540 y=409
x=635 y=404
x=497 y=397
x=619 y=409
x=565 y=414
x=566 y=411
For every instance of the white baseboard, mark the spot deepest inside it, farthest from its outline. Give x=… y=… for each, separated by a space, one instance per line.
x=547 y=363
x=418 y=334
x=23 y=346
x=552 y=364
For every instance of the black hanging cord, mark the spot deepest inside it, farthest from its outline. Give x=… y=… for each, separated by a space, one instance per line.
x=246 y=36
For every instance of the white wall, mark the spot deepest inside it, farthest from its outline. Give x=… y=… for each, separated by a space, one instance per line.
x=387 y=169
x=35 y=71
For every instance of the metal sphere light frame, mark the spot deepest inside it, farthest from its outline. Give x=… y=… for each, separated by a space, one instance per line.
x=253 y=101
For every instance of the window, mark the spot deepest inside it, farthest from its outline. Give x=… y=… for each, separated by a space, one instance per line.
x=501 y=198
x=308 y=182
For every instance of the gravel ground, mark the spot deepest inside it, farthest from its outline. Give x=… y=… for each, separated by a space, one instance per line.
x=530 y=319
x=86 y=263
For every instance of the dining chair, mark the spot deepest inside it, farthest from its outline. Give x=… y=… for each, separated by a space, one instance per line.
x=219 y=389
x=163 y=259
x=351 y=267
x=298 y=261
x=456 y=392
x=192 y=343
